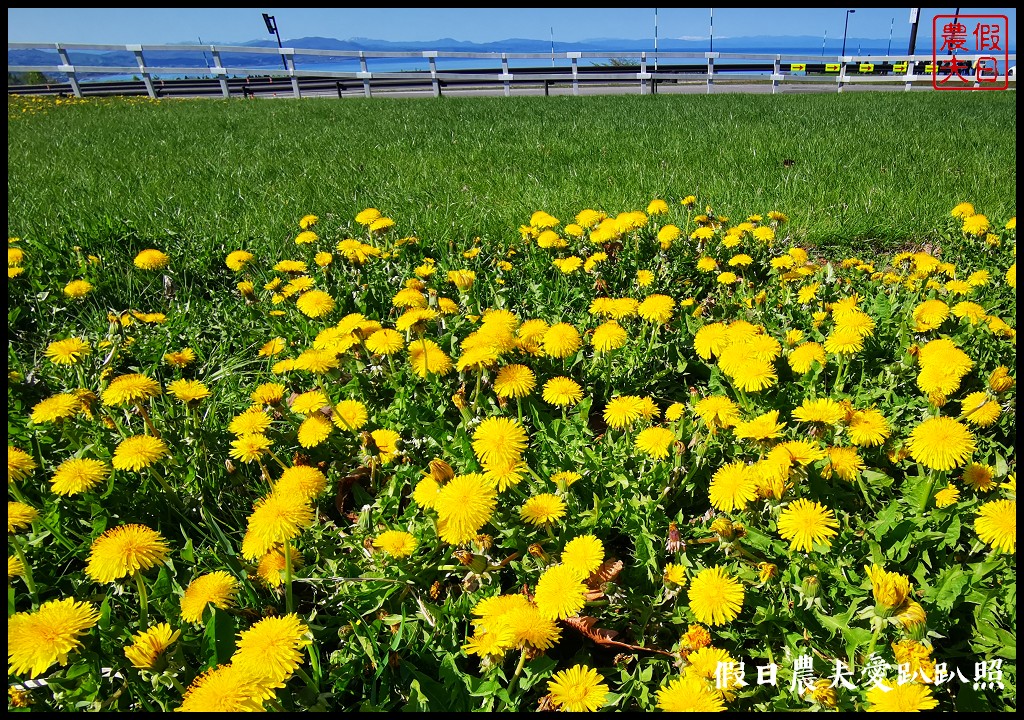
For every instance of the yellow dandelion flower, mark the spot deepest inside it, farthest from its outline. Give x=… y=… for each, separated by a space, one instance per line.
x=732 y=487
x=217 y=588
x=715 y=597
x=427 y=358
x=226 y=688
x=562 y=391
x=20 y=516
x=19 y=464
x=246 y=448
x=844 y=462
x=125 y=550
x=78 y=288
x=303 y=481
x=893 y=697
x=238 y=259
x=147 y=646
x=67 y=352
x=275 y=518
x=514 y=381
x=138 y=452
x=561 y=340
x=578 y=689
x=655 y=441
x=979 y=408
x=188 y=391
x=464 y=505
x=272 y=347
x=584 y=554
x=949 y=495
x=689 y=693
x=717 y=411
x=941 y=443
x=271 y=566
x=314 y=430
x=805 y=523
x=542 y=509
x=395 y=543
x=55 y=408
x=151 y=260
x=132 y=388
x=272 y=648
x=996 y=525
x=78 y=475
x=560 y=593
x=868 y=428
x=37 y=640
x=674 y=574
x=763 y=427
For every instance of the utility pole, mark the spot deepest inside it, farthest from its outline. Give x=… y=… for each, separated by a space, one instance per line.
x=845 y=28
x=655 y=39
x=272 y=29
x=915 y=15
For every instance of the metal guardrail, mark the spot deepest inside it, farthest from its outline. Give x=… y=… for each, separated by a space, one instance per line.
x=227 y=81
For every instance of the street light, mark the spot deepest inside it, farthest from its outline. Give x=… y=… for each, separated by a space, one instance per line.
x=845 y=28
x=272 y=29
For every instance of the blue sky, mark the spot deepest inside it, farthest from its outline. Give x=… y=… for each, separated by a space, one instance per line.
x=230 y=25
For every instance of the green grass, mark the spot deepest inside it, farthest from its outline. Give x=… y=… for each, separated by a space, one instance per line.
x=874 y=168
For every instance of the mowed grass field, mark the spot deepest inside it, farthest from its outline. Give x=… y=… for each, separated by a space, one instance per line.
x=878 y=169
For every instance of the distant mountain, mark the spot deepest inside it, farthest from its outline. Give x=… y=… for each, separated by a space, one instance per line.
x=803 y=44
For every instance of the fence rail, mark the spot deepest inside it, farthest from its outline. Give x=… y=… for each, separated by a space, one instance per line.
x=645 y=70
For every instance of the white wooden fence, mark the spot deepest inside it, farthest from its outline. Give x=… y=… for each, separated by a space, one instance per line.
x=646 y=69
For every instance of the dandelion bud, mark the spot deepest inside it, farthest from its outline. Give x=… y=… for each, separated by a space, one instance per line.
x=1000 y=380
x=724 y=528
x=537 y=550
x=809 y=587
x=441 y=471
x=459 y=399
x=435 y=591
x=767 y=571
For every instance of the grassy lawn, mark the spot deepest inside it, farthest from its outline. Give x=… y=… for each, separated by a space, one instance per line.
x=870 y=168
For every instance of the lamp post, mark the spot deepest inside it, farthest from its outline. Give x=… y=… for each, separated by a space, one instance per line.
x=272 y=29
x=845 y=28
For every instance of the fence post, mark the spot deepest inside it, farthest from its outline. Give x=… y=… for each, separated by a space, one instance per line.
x=364 y=73
x=776 y=73
x=842 y=72
x=711 y=69
x=69 y=70
x=218 y=69
x=643 y=73
x=506 y=77
x=575 y=72
x=137 y=50
x=432 y=56
x=289 y=61
x=910 y=74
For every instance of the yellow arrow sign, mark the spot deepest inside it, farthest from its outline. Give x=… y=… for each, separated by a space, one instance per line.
x=831 y=67
x=900 y=67
x=867 y=67
x=798 y=67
